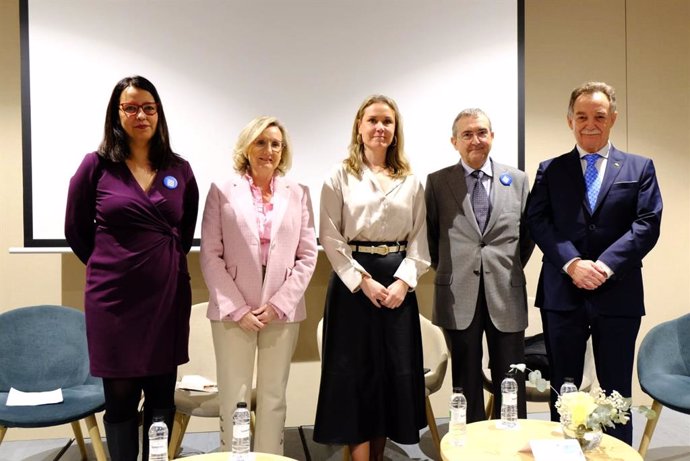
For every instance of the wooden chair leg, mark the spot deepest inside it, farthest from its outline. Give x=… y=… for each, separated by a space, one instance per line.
x=346 y=453
x=490 y=407
x=95 y=435
x=178 y=431
x=3 y=431
x=431 y=422
x=79 y=437
x=649 y=429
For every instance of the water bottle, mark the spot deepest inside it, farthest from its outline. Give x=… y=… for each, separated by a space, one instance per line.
x=158 y=440
x=240 y=431
x=457 y=427
x=509 y=398
x=567 y=387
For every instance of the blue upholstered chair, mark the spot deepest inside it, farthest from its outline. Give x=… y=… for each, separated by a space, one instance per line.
x=43 y=348
x=663 y=368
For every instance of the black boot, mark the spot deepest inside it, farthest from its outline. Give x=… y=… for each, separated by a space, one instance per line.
x=123 y=439
x=168 y=415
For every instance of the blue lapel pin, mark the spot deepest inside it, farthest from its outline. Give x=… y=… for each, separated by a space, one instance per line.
x=170 y=182
x=506 y=179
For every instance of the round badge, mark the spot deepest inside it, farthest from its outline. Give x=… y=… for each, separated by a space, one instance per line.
x=170 y=182
x=506 y=179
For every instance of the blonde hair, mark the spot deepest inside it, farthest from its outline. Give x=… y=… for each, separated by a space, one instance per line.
x=249 y=134
x=395 y=154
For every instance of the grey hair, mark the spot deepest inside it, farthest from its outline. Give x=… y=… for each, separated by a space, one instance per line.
x=471 y=112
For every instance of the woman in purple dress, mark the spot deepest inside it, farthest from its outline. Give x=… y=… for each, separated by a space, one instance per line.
x=131 y=213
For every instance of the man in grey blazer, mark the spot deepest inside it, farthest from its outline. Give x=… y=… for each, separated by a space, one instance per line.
x=479 y=244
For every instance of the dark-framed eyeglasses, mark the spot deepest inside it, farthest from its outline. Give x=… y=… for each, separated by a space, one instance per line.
x=131 y=109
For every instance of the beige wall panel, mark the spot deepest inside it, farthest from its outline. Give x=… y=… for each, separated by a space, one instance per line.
x=564 y=47
x=642 y=48
x=658 y=116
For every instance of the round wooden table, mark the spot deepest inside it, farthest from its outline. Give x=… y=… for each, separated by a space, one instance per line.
x=487 y=443
x=225 y=456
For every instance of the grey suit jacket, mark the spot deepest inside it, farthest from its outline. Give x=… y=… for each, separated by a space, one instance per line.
x=459 y=251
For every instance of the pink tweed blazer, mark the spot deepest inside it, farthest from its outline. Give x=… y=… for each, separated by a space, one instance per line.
x=231 y=250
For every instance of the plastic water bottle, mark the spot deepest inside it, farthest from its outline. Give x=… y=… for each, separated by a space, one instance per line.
x=509 y=398
x=240 y=431
x=158 y=440
x=457 y=427
x=567 y=387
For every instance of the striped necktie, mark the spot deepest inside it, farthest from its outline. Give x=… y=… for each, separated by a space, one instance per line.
x=480 y=200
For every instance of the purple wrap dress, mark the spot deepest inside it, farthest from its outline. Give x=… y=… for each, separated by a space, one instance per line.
x=134 y=243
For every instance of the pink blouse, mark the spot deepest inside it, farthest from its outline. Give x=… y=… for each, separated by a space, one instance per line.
x=264 y=212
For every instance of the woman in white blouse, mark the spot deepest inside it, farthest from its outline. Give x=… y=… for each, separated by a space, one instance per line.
x=258 y=252
x=373 y=229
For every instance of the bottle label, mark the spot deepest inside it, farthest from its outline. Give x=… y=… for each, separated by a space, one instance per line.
x=157 y=447
x=509 y=399
x=240 y=431
x=458 y=414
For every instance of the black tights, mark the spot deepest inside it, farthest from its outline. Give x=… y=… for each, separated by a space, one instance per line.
x=122 y=395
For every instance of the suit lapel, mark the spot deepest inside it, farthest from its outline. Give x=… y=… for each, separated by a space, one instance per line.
x=456 y=183
x=573 y=166
x=614 y=164
x=244 y=204
x=281 y=195
x=498 y=196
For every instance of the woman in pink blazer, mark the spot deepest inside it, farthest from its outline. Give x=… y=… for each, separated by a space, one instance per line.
x=258 y=253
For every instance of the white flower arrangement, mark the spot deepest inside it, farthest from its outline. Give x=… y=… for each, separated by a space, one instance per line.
x=588 y=411
x=594 y=411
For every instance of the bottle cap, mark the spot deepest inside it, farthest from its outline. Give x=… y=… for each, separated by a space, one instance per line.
x=241 y=404
x=568 y=380
x=457 y=390
x=158 y=419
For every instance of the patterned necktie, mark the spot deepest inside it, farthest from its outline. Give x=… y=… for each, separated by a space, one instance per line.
x=592 y=182
x=480 y=200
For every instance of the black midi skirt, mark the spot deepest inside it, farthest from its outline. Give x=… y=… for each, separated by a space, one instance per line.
x=372 y=378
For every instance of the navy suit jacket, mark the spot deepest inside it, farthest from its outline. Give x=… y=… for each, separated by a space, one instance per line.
x=620 y=230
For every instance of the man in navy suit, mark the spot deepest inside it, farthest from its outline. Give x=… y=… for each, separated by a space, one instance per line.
x=595 y=213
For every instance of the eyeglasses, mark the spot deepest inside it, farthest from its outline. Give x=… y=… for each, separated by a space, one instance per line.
x=131 y=109
x=275 y=146
x=482 y=135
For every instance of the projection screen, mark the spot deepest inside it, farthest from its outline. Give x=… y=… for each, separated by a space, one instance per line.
x=219 y=63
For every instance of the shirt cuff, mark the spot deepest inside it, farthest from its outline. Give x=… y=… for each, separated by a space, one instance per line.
x=606 y=268
x=565 y=266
